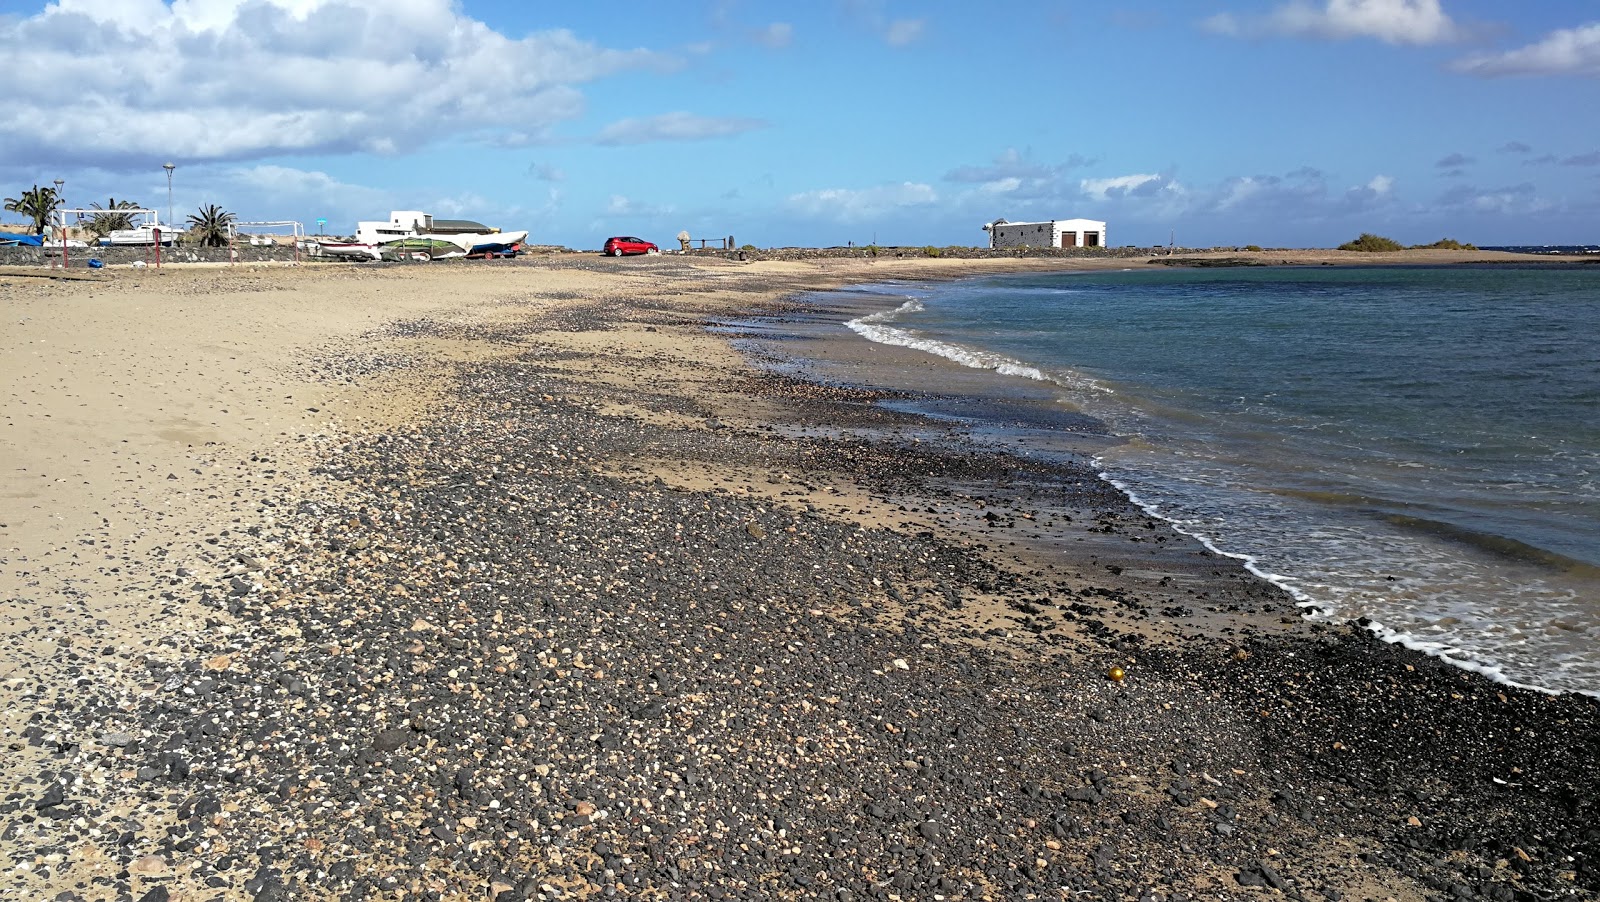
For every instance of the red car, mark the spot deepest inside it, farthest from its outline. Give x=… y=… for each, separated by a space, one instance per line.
x=616 y=247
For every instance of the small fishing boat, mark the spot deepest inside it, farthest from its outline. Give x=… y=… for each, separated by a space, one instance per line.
x=142 y=236
x=494 y=244
x=473 y=239
x=421 y=249
x=350 y=250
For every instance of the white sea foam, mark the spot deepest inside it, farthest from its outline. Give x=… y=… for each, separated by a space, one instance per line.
x=1323 y=609
x=875 y=327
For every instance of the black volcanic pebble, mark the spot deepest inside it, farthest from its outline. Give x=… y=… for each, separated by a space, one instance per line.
x=52 y=796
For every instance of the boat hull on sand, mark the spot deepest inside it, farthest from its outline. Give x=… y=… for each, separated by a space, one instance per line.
x=349 y=250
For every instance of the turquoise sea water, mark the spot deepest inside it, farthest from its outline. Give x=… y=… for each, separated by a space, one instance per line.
x=1417 y=446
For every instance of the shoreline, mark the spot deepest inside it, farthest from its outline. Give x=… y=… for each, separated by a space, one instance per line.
x=622 y=612
x=975 y=374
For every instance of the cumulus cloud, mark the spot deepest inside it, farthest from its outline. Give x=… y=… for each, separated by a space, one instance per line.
x=1139 y=185
x=1013 y=164
x=1592 y=158
x=620 y=205
x=901 y=32
x=1390 y=21
x=241 y=79
x=894 y=32
x=1454 y=161
x=1566 y=51
x=774 y=35
x=1001 y=186
x=857 y=204
x=1256 y=202
x=269 y=191
x=1515 y=147
x=1515 y=199
x=674 y=127
x=546 y=172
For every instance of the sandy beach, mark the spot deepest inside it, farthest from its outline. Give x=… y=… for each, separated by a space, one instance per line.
x=514 y=580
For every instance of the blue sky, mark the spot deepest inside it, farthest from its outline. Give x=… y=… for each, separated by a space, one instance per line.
x=1274 y=122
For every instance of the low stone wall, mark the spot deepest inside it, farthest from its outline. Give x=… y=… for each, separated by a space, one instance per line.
x=122 y=256
x=960 y=253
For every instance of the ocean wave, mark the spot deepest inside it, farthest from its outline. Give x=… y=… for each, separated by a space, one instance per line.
x=911 y=305
x=1324 y=609
x=875 y=327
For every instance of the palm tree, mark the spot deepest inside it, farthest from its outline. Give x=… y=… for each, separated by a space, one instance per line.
x=37 y=204
x=212 y=226
x=115 y=217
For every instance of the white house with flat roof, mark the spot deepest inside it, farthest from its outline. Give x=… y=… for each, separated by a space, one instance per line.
x=1055 y=233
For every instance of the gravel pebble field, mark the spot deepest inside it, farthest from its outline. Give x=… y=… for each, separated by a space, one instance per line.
x=620 y=615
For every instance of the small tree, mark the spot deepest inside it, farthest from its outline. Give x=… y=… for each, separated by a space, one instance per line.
x=37 y=204
x=113 y=219
x=1372 y=244
x=211 y=227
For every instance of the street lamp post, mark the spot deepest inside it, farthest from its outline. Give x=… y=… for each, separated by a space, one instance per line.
x=61 y=200
x=169 y=167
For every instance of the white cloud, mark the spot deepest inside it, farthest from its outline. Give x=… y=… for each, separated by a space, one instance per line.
x=1381 y=185
x=894 y=32
x=1239 y=191
x=241 y=79
x=1001 y=186
x=1568 y=51
x=1014 y=164
x=850 y=205
x=1520 y=199
x=901 y=32
x=619 y=205
x=1224 y=24
x=1391 y=21
x=675 y=127
x=1100 y=189
x=290 y=181
x=547 y=172
x=777 y=34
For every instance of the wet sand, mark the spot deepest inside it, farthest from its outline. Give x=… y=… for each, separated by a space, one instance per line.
x=514 y=581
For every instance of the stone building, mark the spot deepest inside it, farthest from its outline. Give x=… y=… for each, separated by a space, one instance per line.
x=1055 y=233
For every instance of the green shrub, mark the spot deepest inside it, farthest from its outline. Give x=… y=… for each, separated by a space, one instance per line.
x=1253 y=247
x=1445 y=244
x=1372 y=244
x=748 y=247
x=930 y=251
x=872 y=249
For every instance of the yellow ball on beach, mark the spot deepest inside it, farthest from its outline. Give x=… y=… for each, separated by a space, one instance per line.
x=1116 y=673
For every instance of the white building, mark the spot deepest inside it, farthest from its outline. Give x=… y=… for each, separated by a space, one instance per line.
x=1055 y=233
x=414 y=223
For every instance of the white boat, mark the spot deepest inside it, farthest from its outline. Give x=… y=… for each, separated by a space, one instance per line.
x=144 y=236
x=497 y=243
x=474 y=238
x=349 y=250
